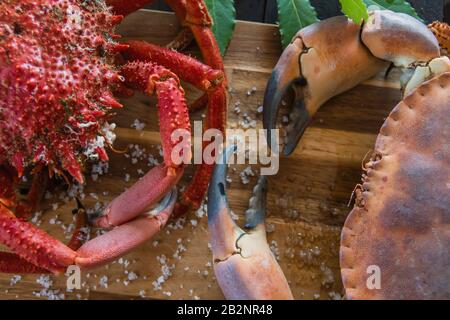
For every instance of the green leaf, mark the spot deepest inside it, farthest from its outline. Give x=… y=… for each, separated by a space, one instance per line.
x=224 y=20
x=294 y=15
x=394 y=5
x=355 y=10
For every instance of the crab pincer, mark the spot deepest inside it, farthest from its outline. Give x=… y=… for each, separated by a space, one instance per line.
x=244 y=265
x=332 y=56
x=43 y=253
x=323 y=60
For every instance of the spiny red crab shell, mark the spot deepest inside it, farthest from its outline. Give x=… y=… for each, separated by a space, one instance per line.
x=56 y=82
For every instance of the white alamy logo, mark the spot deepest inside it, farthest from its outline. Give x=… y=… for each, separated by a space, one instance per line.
x=73 y=274
x=251 y=147
x=373 y=282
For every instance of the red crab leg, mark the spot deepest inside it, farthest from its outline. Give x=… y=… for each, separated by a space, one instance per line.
x=194 y=15
x=204 y=78
x=187 y=68
x=33 y=244
x=215 y=118
x=139 y=198
x=173 y=114
x=26 y=208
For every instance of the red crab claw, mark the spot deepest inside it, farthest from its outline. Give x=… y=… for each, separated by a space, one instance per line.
x=317 y=67
x=37 y=252
x=243 y=262
x=128 y=236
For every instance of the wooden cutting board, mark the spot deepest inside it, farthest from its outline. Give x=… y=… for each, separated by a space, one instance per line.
x=307 y=201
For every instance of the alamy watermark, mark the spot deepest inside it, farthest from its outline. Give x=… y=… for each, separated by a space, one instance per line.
x=251 y=147
x=73 y=274
x=373 y=282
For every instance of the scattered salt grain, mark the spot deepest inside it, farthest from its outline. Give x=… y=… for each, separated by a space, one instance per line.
x=15 y=279
x=139 y=126
x=132 y=276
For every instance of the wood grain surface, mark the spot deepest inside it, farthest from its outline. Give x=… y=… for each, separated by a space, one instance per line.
x=307 y=200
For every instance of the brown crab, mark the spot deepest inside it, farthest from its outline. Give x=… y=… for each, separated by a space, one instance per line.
x=395 y=241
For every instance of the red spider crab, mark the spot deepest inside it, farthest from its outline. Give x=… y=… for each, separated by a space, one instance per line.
x=57 y=77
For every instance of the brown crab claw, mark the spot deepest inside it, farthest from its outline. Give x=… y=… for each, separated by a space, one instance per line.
x=317 y=66
x=243 y=262
x=287 y=76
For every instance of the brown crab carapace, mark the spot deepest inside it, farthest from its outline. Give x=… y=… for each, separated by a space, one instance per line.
x=58 y=72
x=401 y=220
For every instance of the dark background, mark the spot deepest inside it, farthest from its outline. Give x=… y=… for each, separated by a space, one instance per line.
x=266 y=10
